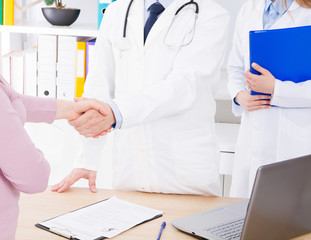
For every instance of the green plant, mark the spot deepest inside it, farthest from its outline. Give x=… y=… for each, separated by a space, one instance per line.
x=58 y=3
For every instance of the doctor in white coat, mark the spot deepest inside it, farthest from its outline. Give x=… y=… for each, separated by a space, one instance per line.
x=267 y=134
x=163 y=92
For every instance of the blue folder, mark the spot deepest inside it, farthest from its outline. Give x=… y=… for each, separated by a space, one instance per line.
x=286 y=53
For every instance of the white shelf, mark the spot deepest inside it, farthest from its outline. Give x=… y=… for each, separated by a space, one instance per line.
x=81 y=29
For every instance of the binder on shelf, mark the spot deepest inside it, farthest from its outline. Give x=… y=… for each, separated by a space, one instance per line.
x=66 y=65
x=47 y=50
x=30 y=71
x=8 y=12
x=12 y=11
x=90 y=46
x=17 y=71
x=81 y=66
x=47 y=80
x=101 y=7
x=286 y=53
x=1 y=12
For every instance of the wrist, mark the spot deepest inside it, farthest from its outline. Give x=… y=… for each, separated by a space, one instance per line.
x=64 y=109
x=237 y=99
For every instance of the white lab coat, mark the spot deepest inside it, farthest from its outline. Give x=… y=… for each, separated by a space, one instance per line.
x=165 y=94
x=274 y=134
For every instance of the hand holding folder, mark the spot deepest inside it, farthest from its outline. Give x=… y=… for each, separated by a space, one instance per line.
x=264 y=82
x=286 y=53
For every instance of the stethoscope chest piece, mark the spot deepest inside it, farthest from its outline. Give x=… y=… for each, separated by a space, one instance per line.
x=123 y=44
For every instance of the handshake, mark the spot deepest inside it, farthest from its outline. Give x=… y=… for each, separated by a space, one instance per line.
x=90 y=117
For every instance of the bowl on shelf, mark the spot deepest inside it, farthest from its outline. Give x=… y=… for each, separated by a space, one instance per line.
x=60 y=16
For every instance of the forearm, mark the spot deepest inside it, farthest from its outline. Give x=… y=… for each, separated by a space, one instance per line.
x=39 y=109
x=292 y=95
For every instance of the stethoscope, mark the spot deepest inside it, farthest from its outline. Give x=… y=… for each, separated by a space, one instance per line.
x=191 y=2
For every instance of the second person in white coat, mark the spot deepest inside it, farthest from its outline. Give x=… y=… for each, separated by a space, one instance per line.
x=162 y=90
x=267 y=134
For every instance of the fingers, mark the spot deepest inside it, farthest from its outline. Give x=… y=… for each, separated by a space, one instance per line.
x=251 y=77
x=65 y=183
x=253 y=102
x=92 y=183
x=103 y=133
x=253 y=105
x=260 y=97
x=83 y=119
x=74 y=176
x=103 y=110
x=260 y=69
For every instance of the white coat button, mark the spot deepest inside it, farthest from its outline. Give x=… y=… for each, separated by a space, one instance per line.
x=142 y=150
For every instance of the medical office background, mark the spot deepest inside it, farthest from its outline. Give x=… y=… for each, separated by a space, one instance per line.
x=60 y=143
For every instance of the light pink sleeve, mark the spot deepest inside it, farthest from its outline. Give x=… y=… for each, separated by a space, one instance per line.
x=39 y=109
x=20 y=161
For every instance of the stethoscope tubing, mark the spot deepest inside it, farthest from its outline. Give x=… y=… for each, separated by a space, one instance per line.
x=178 y=10
x=186 y=4
x=126 y=17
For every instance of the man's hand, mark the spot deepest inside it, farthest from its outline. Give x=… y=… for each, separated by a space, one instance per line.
x=74 y=176
x=94 y=123
x=252 y=102
x=260 y=83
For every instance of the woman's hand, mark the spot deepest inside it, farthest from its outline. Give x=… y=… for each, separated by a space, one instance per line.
x=252 y=102
x=74 y=176
x=263 y=83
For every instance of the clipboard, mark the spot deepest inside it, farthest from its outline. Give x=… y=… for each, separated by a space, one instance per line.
x=109 y=218
x=286 y=53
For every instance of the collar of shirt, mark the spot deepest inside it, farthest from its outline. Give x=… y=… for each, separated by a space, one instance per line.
x=148 y=3
x=281 y=9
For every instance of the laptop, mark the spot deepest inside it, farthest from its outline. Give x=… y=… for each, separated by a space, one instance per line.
x=279 y=207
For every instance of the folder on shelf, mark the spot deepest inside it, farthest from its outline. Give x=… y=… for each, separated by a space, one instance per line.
x=30 y=71
x=105 y=219
x=90 y=48
x=8 y=12
x=47 y=80
x=47 y=52
x=286 y=53
x=81 y=66
x=101 y=7
x=1 y=12
x=12 y=11
x=66 y=67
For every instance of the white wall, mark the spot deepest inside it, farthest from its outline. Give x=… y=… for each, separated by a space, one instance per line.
x=233 y=7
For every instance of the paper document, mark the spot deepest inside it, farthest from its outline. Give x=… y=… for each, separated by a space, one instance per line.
x=104 y=219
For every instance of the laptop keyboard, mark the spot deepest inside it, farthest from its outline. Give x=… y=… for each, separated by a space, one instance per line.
x=228 y=231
